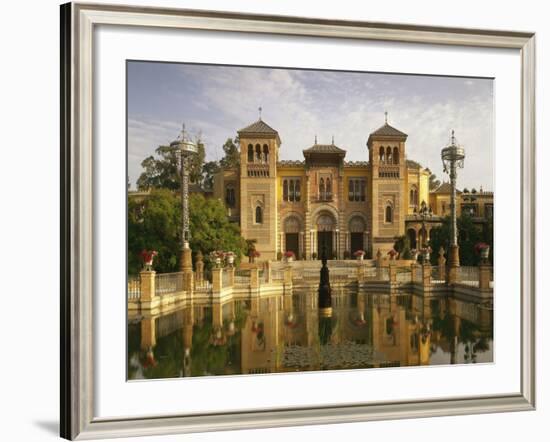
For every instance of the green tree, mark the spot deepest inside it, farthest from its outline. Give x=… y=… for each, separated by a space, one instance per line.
x=232 y=156
x=209 y=169
x=210 y=228
x=161 y=169
x=402 y=246
x=155 y=224
x=469 y=235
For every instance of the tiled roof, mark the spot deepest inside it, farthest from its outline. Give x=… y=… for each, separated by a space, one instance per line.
x=324 y=148
x=388 y=131
x=258 y=127
x=444 y=188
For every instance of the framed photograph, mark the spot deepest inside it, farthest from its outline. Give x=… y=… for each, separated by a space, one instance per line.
x=274 y=221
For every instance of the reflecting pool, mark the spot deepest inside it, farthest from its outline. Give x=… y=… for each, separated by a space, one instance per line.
x=287 y=333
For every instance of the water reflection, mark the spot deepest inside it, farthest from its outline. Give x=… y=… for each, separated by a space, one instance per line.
x=288 y=332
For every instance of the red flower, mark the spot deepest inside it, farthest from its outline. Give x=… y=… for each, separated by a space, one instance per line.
x=148 y=255
x=480 y=246
x=289 y=254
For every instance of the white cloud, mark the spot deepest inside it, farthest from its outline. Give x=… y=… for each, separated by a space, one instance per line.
x=302 y=104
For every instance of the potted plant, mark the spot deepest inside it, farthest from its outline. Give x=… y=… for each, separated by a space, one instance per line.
x=147 y=257
x=217 y=257
x=289 y=256
x=230 y=257
x=359 y=254
x=252 y=255
x=392 y=253
x=414 y=254
x=425 y=251
x=482 y=249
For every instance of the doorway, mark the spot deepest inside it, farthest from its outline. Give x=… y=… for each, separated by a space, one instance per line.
x=324 y=243
x=357 y=243
x=292 y=244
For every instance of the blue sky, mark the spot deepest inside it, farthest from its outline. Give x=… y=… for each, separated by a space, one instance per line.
x=219 y=100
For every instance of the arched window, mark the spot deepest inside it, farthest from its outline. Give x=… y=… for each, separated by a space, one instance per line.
x=230 y=196
x=329 y=189
x=388 y=155
x=382 y=154
x=297 y=188
x=291 y=191
x=285 y=190
x=250 y=153
x=266 y=153
x=259 y=215
x=395 y=155
x=258 y=153
x=413 y=196
x=322 y=189
x=389 y=213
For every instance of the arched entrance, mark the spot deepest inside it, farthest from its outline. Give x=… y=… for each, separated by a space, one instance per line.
x=292 y=235
x=357 y=234
x=326 y=226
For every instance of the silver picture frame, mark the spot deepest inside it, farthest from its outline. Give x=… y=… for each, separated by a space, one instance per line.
x=78 y=21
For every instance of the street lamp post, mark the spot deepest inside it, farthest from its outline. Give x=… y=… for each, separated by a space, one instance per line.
x=184 y=148
x=452 y=157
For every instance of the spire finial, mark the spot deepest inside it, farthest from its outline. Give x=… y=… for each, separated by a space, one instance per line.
x=260 y=112
x=453 y=136
x=315 y=138
x=333 y=140
x=386 y=117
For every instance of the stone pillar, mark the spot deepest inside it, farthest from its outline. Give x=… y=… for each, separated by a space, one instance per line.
x=254 y=278
x=147 y=282
x=231 y=276
x=484 y=276
x=199 y=268
x=148 y=333
x=379 y=265
x=287 y=276
x=187 y=269
x=267 y=271
x=301 y=246
x=393 y=272
x=217 y=280
x=454 y=264
x=414 y=266
x=426 y=276
x=441 y=261
x=217 y=315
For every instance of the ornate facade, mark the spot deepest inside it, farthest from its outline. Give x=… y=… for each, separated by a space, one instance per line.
x=325 y=203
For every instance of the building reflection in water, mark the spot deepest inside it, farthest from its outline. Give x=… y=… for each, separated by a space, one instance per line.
x=288 y=333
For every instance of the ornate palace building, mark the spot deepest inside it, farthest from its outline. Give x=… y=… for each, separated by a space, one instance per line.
x=327 y=203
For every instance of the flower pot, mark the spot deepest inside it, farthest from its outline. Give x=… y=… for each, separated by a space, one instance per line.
x=360 y=257
x=230 y=259
x=289 y=259
x=218 y=262
x=485 y=253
